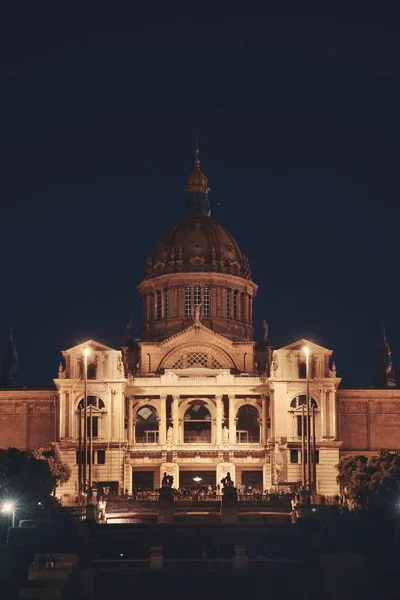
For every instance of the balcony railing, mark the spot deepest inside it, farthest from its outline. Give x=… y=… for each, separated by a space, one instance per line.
x=149 y=437
x=197 y=439
x=243 y=437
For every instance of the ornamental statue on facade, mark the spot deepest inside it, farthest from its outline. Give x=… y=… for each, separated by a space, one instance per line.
x=167 y=480
x=197 y=314
x=225 y=435
x=170 y=433
x=227 y=481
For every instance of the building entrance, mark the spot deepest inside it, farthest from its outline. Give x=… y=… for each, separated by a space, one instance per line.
x=252 y=479
x=188 y=479
x=142 y=481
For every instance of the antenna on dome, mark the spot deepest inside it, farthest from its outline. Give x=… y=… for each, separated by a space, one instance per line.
x=197 y=141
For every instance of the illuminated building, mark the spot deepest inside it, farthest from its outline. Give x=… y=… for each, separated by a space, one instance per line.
x=197 y=396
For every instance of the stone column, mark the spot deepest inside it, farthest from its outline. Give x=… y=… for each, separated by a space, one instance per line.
x=333 y=403
x=175 y=419
x=232 y=420
x=324 y=412
x=264 y=409
x=162 y=426
x=218 y=402
x=130 y=421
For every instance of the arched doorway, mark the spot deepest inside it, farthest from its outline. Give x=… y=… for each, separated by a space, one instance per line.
x=197 y=424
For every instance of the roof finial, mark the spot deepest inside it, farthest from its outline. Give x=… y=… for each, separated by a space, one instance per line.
x=11 y=334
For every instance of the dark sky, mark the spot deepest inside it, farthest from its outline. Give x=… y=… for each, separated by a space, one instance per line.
x=298 y=120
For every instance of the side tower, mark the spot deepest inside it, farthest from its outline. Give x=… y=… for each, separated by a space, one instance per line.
x=91 y=386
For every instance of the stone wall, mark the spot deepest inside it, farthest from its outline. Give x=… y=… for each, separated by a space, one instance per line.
x=27 y=418
x=369 y=419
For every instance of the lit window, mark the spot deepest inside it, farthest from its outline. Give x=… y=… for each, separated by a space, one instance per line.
x=188 y=301
x=197 y=295
x=165 y=304
x=235 y=305
x=206 y=303
x=228 y=303
x=159 y=306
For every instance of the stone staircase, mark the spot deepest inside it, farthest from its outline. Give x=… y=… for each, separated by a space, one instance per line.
x=49 y=583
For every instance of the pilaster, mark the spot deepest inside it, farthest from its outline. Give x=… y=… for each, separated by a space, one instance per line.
x=218 y=402
x=175 y=419
x=232 y=420
x=162 y=427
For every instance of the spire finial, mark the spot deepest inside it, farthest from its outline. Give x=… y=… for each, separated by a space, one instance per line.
x=11 y=333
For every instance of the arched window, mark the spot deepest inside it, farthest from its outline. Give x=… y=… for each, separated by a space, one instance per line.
x=197 y=424
x=94 y=401
x=93 y=418
x=248 y=426
x=206 y=301
x=146 y=426
x=301 y=419
x=299 y=401
x=188 y=301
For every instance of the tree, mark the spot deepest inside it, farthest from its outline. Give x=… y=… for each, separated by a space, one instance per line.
x=30 y=477
x=59 y=471
x=23 y=478
x=371 y=483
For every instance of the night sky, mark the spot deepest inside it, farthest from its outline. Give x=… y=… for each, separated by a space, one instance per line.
x=299 y=129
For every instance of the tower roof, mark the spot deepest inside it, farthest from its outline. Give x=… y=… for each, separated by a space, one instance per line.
x=197 y=243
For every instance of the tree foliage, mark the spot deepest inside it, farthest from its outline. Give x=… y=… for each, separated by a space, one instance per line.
x=30 y=477
x=59 y=471
x=371 y=482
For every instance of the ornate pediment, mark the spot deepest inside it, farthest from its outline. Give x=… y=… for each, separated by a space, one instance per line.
x=299 y=345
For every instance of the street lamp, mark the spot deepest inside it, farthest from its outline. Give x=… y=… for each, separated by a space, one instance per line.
x=86 y=353
x=9 y=508
x=306 y=351
x=197 y=480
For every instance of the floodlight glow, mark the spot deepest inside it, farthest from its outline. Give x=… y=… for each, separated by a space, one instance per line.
x=197 y=479
x=8 y=507
x=306 y=350
x=87 y=352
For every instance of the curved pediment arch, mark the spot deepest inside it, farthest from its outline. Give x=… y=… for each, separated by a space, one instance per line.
x=197 y=355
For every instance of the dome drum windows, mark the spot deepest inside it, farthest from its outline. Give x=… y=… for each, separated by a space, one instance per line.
x=161 y=304
x=194 y=296
x=228 y=303
x=206 y=301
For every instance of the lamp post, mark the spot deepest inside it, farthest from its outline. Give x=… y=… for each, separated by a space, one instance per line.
x=86 y=353
x=9 y=508
x=197 y=480
x=306 y=351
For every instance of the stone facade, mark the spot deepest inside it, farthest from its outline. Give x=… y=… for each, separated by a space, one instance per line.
x=197 y=397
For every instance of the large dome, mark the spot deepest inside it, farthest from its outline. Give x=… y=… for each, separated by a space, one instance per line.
x=198 y=244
